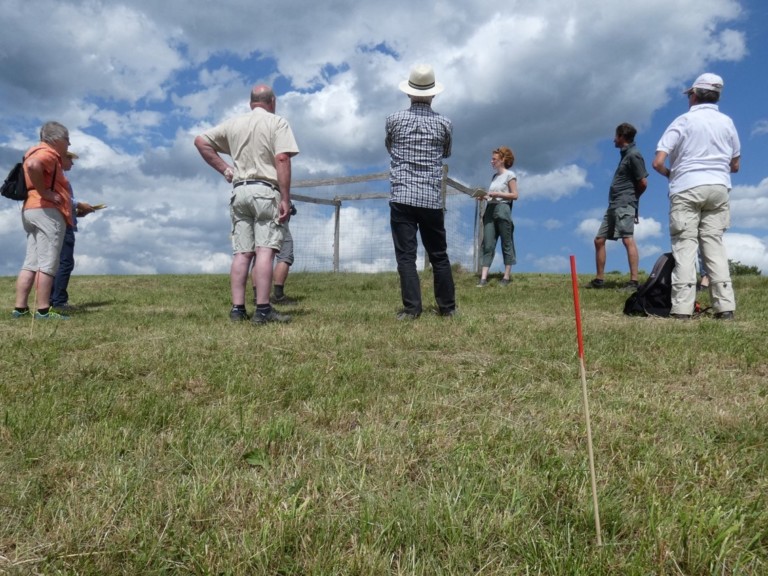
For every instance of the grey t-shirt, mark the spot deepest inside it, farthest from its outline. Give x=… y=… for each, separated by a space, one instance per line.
x=631 y=169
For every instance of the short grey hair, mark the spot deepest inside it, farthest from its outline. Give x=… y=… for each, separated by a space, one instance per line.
x=53 y=131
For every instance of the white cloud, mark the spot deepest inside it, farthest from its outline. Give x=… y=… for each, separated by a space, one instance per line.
x=749 y=206
x=747 y=249
x=553 y=185
x=760 y=128
x=647 y=228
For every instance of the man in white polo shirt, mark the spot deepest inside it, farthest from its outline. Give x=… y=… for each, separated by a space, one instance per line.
x=703 y=150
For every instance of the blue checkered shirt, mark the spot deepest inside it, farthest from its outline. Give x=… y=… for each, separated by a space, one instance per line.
x=417 y=140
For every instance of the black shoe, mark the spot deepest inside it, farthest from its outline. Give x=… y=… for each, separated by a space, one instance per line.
x=631 y=286
x=680 y=316
x=725 y=315
x=238 y=315
x=405 y=315
x=448 y=313
x=597 y=283
x=271 y=316
x=284 y=301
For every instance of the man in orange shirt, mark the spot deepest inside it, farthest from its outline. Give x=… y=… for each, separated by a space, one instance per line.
x=46 y=213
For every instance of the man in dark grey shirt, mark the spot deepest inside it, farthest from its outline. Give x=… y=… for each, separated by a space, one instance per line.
x=629 y=182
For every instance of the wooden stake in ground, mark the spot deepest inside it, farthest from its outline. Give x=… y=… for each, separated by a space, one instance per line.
x=577 y=311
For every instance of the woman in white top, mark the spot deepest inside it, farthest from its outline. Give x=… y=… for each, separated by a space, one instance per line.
x=497 y=218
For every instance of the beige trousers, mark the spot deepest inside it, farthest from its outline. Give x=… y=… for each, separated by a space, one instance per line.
x=698 y=218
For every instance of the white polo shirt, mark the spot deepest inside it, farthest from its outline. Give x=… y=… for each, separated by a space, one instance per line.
x=700 y=144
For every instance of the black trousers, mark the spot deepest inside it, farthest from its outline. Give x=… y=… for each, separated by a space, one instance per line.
x=430 y=223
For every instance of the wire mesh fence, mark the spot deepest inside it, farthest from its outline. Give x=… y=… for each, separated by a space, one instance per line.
x=342 y=225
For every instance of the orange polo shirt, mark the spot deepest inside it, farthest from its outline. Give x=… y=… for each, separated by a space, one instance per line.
x=51 y=162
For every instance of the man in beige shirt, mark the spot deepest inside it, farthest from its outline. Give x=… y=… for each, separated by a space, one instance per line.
x=261 y=145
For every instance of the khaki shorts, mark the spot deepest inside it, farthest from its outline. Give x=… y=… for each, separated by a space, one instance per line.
x=255 y=210
x=45 y=228
x=618 y=223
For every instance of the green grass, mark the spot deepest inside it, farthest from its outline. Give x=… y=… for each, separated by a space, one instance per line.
x=149 y=435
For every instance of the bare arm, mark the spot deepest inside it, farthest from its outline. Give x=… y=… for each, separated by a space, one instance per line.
x=213 y=159
x=512 y=186
x=735 y=164
x=659 y=162
x=640 y=187
x=283 y=166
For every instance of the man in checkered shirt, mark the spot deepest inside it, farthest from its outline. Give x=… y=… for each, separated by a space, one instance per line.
x=417 y=140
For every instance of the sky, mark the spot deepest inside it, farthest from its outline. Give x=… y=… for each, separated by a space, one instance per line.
x=135 y=82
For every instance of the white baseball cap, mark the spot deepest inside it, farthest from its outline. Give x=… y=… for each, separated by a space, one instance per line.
x=707 y=81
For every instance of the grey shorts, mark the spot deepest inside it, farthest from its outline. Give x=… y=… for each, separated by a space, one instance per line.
x=45 y=228
x=254 y=210
x=618 y=223
x=286 y=252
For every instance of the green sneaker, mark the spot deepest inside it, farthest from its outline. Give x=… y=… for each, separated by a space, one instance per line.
x=16 y=314
x=52 y=315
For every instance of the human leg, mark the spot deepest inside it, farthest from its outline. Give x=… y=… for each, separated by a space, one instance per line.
x=283 y=262
x=404 y=227
x=262 y=274
x=632 y=256
x=605 y=231
x=490 y=238
x=505 y=229
x=599 y=258
x=684 y=215
x=238 y=276
x=44 y=284
x=279 y=276
x=703 y=275
x=59 y=294
x=715 y=220
x=433 y=236
x=24 y=283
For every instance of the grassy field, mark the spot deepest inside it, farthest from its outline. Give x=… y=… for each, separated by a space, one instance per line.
x=149 y=435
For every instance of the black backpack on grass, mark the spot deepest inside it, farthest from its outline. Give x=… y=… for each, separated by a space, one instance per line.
x=654 y=296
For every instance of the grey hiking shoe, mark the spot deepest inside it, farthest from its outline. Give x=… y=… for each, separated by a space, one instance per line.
x=481 y=283
x=271 y=316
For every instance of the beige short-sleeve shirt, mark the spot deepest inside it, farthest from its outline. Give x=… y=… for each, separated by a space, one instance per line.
x=253 y=140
